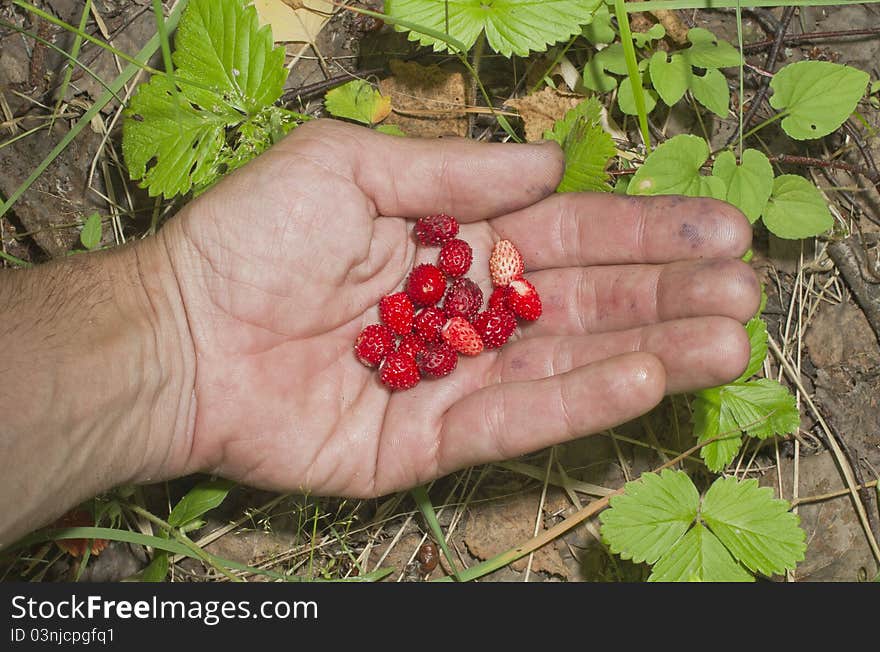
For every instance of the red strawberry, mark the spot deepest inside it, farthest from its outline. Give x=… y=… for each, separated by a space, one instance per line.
x=411 y=344
x=428 y=322
x=437 y=360
x=373 y=344
x=498 y=300
x=436 y=230
x=464 y=298
x=524 y=300
x=461 y=336
x=495 y=327
x=396 y=311
x=456 y=257
x=505 y=263
x=399 y=371
x=426 y=285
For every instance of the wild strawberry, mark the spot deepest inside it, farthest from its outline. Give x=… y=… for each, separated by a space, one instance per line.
x=461 y=336
x=437 y=360
x=505 y=263
x=411 y=344
x=464 y=298
x=426 y=285
x=494 y=327
x=498 y=299
x=523 y=300
x=396 y=311
x=428 y=322
x=373 y=344
x=399 y=371
x=456 y=257
x=436 y=230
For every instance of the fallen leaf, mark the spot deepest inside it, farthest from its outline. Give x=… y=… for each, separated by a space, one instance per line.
x=427 y=101
x=541 y=110
x=77 y=547
x=294 y=21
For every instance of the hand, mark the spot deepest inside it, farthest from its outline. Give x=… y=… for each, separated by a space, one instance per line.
x=282 y=264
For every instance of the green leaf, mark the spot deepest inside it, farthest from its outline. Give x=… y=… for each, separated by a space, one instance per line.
x=707 y=51
x=711 y=91
x=358 y=100
x=90 y=236
x=818 y=96
x=699 y=557
x=654 y=33
x=202 y=498
x=650 y=516
x=757 y=330
x=757 y=528
x=673 y=168
x=796 y=209
x=587 y=146
x=613 y=59
x=156 y=570
x=670 y=76
x=626 y=101
x=221 y=45
x=512 y=26
x=710 y=422
x=875 y=87
x=762 y=408
x=227 y=72
x=390 y=130
x=749 y=184
x=595 y=78
x=599 y=29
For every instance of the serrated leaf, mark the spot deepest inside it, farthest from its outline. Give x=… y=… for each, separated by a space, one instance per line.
x=758 y=529
x=221 y=45
x=699 y=557
x=818 y=96
x=710 y=422
x=202 y=498
x=673 y=168
x=708 y=51
x=512 y=26
x=762 y=408
x=652 y=514
x=627 y=102
x=587 y=146
x=748 y=185
x=711 y=91
x=669 y=76
x=90 y=236
x=599 y=29
x=358 y=100
x=757 y=331
x=174 y=132
x=796 y=209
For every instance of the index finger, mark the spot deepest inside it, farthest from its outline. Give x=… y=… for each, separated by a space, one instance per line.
x=580 y=229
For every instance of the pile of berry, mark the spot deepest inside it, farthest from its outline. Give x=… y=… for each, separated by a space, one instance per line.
x=419 y=336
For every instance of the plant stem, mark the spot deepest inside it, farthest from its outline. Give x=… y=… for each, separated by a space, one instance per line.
x=632 y=69
x=794 y=39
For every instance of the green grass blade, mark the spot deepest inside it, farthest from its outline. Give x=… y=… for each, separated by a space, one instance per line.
x=427 y=508
x=130 y=71
x=74 y=53
x=163 y=36
x=632 y=69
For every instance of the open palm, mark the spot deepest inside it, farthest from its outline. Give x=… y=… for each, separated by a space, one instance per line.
x=282 y=264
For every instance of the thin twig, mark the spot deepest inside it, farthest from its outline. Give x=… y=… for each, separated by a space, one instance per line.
x=795 y=39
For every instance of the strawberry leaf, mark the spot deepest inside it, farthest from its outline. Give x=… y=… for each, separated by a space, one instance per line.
x=358 y=100
x=757 y=331
x=650 y=516
x=758 y=529
x=511 y=26
x=710 y=421
x=226 y=73
x=587 y=146
x=699 y=557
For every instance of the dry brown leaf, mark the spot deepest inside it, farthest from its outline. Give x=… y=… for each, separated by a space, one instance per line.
x=427 y=101
x=294 y=21
x=497 y=526
x=540 y=110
